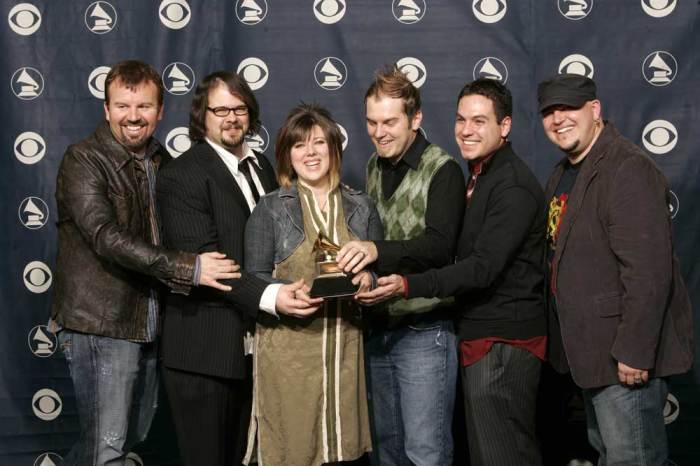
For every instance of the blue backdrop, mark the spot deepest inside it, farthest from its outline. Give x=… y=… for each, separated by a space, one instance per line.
x=642 y=53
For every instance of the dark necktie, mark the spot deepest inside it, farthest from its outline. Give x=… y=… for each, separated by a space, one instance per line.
x=475 y=171
x=244 y=167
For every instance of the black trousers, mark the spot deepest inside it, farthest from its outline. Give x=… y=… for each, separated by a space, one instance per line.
x=211 y=417
x=500 y=393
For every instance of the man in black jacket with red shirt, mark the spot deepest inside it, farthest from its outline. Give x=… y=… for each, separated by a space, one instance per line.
x=497 y=282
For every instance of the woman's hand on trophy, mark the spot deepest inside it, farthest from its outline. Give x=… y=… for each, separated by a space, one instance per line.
x=294 y=300
x=356 y=255
x=387 y=287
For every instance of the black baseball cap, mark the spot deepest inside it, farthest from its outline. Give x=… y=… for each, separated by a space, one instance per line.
x=572 y=90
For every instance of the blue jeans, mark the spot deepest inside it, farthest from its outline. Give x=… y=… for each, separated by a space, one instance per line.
x=411 y=382
x=626 y=425
x=116 y=395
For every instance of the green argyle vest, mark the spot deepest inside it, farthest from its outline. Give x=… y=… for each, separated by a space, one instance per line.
x=403 y=214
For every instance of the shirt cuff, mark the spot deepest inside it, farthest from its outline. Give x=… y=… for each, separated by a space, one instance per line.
x=269 y=298
x=197 y=271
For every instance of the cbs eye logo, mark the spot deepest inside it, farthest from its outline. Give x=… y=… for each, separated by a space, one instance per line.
x=27 y=83
x=46 y=404
x=491 y=68
x=254 y=71
x=658 y=8
x=251 y=12
x=577 y=64
x=343 y=135
x=37 y=277
x=24 y=19
x=174 y=14
x=178 y=141
x=489 y=11
x=96 y=81
x=29 y=147
x=659 y=137
x=674 y=204
x=100 y=17
x=671 y=409
x=408 y=11
x=329 y=11
x=414 y=69
x=258 y=141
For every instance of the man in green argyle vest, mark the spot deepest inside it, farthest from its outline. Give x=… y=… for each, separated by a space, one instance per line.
x=410 y=346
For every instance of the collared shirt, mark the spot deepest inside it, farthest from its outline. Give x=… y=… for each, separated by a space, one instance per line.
x=232 y=162
x=443 y=216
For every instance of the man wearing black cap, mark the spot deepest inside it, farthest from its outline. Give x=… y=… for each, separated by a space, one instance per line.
x=617 y=298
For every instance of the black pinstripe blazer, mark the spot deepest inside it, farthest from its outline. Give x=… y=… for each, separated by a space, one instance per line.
x=202 y=209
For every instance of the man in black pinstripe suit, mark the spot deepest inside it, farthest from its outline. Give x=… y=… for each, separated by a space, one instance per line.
x=206 y=196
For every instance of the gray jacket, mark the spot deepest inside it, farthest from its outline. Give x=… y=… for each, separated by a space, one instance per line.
x=275 y=229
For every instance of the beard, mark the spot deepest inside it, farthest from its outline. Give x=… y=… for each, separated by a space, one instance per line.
x=232 y=141
x=134 y=143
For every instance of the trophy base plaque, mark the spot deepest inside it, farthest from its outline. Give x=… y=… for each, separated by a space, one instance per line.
x=333 y=287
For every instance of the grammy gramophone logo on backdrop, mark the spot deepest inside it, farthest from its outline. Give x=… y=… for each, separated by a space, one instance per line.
x=48 y=459
x=408 y=11
x=258 y=141
x=251 y=12
x=178 y=78
x=33 y=212
x=27 y=83
x=42 y=342
x=491 y=68
x=659 y=68
x=330 y=73
x=575 y=9
x=100 y=17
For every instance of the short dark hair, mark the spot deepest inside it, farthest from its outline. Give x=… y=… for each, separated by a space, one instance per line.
x=131 y=73
x=390 y=81
x=236 y=86
x=297 y=127
x=493 y=90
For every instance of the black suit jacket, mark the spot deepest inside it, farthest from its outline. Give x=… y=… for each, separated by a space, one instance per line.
x=202 y=209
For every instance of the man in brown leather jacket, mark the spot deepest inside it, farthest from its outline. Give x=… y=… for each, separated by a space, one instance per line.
x=109 y=265
x=618 y=301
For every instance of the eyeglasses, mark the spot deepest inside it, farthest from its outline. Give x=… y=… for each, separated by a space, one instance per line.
x=224 y=111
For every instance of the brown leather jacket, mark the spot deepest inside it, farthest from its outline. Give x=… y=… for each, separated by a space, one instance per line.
x=106 y=261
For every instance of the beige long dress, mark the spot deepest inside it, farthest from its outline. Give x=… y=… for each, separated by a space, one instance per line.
x=309 y=397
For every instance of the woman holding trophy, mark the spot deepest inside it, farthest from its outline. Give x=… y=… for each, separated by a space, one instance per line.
x=309 y=397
